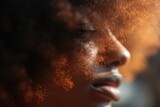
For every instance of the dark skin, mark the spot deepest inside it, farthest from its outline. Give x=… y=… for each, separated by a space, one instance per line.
x=61 y=54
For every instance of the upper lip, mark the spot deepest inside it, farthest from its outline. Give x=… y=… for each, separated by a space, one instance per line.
x=109 y=78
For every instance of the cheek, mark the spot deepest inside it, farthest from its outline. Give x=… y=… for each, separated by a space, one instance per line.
x=69 y=68
x=82 y=61
x=91 y=52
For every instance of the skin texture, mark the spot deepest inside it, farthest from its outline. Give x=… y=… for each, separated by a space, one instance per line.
x=54 y=50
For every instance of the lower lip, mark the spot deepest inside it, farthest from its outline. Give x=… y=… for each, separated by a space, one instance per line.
x=105 y=93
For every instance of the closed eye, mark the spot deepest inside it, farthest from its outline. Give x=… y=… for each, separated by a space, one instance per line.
x=84 y=30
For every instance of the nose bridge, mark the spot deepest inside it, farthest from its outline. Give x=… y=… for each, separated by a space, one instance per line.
x=117 y=54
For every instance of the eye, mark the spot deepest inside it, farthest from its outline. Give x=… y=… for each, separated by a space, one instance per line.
x=81 y=32
x=84 y=31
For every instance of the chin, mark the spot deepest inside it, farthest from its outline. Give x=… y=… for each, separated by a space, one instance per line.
x=91 y=102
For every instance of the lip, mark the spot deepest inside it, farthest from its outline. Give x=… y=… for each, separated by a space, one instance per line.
x=105 y=86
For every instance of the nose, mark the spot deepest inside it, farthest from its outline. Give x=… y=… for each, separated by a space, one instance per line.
x=117 y=54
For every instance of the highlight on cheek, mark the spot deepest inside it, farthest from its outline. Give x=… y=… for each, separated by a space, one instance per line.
x=92 y=51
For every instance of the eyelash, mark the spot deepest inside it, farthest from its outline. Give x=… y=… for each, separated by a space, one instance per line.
x=81 y=33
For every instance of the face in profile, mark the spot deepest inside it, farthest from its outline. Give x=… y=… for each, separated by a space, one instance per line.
x=69 y=53
x=89 y=74
x=84 y=62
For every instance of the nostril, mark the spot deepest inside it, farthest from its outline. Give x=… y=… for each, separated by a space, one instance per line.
x=116 y=63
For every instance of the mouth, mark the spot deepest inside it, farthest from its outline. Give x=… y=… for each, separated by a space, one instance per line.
x=105 y=86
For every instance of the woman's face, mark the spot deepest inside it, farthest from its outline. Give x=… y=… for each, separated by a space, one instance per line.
x=84 y=66
x=72 y=49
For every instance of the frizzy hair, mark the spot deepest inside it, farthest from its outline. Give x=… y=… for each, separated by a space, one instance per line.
x=31 y=30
